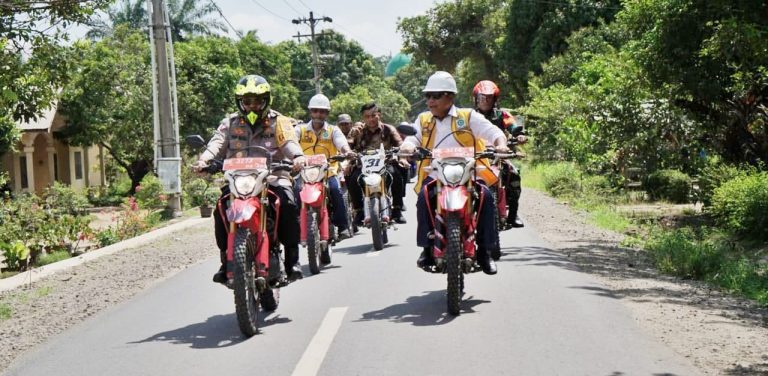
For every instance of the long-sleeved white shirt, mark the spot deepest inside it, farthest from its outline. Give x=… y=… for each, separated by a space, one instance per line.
x=478 y=124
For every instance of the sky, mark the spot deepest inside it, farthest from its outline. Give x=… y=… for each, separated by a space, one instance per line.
x=372 y=24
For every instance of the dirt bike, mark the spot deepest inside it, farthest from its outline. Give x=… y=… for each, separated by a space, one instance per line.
x=255 y=269
x=316 y=231
x=377 y=199
x=455 y=217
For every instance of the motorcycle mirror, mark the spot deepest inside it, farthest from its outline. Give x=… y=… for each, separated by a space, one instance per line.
x=195 y=141
x=406 y=129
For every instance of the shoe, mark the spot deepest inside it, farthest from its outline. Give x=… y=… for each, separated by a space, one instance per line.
x=359 y=218
x=221 y=275
x=496 y=253
x=397 y=216
x=295 y=273
x=488 y=265
x=325 y=257
x=425 y=260
x=516 y=222
x=343 y=234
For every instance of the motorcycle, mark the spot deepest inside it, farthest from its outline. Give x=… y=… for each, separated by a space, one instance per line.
x=500 y=167
x=316 y=231
x=455 y=217
x=377 y=200
x=255 y=269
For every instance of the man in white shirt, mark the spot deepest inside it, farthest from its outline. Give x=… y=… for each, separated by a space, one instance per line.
x=436 y=129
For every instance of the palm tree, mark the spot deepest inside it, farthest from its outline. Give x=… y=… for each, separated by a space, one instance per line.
x=126 y=12
x=187 y=18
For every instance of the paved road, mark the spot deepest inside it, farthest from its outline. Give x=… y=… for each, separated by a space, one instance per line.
x=371 y=313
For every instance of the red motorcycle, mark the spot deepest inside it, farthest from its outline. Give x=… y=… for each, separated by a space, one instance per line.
x=316 y=231
x=454 y=217
x=255 y=267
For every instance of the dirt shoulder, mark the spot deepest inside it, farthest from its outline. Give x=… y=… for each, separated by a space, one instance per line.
x=718 y=333
x=64 y=299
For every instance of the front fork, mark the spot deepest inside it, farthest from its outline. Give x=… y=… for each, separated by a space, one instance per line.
x=324 y=219
x=385 y=204
x=467 y=213
x=258 y=226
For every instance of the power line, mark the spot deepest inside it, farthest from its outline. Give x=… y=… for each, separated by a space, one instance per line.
x=305 y=5
x=271 y=12
x=239 y=34
x=291 y=6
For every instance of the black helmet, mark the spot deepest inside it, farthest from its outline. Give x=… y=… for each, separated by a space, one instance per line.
x=253 y=85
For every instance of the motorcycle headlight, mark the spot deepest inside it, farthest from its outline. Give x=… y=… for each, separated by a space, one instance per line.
x=311 y=174
x=245 y=184
x=452 y=173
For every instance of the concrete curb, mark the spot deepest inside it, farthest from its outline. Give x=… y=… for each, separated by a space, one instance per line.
x=36 y=274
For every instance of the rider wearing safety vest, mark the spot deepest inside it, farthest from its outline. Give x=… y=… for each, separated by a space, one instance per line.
x=433 y=131
x=256 y=124
x=319 y=137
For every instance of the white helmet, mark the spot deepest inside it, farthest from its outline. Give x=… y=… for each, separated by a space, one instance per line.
x=441 y=81
x=319 y=101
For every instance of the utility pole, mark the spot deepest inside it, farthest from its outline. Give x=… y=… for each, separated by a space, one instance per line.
x=166 y=140
x=312 y=21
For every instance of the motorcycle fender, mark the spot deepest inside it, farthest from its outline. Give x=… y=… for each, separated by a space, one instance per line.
x=453 y=198
x=242 y=210
x=373 y=182
x=311 y=194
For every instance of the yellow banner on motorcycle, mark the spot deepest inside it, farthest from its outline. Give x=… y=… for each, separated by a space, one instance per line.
x=257 y=163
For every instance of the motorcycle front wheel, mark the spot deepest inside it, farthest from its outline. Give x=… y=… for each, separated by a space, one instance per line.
x=313 y=240
x=376 y=232
x=244 y=284
x=453 y=253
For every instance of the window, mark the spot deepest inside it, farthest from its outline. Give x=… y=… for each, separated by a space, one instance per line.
x=78 y=165
x=55 y=167
x=23 y=170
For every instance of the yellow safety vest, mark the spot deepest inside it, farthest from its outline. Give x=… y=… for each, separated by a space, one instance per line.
x=311 y=144
x=428 y=134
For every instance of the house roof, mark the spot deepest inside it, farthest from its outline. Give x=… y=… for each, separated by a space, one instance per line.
x=42 y=123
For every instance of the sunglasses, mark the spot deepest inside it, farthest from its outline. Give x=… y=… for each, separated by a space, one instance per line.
x=252 y=101
x=437 y=95
x=320 y=110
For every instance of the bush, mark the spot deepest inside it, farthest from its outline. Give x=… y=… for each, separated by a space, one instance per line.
x=62 y=199
x=200 y=192
x=741 y=205
x=149 y=193
x=52 y=257
x=714 y=174
x=670 y=185
x=561 y=179
x=15 y=254
x=680 y=253
x=107 y=237
x=104 y=196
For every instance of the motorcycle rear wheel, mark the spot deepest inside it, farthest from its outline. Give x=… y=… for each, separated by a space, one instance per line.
x=246 y=295
x=453 y=253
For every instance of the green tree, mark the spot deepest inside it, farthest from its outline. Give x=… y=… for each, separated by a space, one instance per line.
x=274 y=64
x=109 y=101
x=206 y=75
x=32 y=66
x=394 y=107
x=187 y=17
x=537 y=30
x=409 y=81
x=712 y=57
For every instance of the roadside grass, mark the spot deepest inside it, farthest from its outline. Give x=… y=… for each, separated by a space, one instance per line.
x=683 y=244
x=43 y=291
x=5 y=311
x=52 y=257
